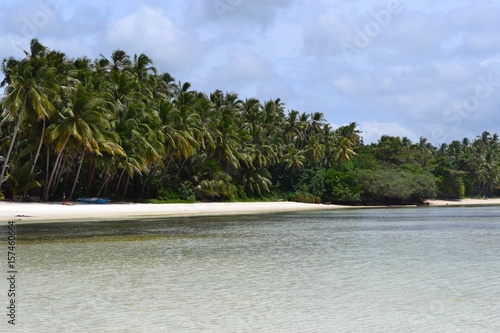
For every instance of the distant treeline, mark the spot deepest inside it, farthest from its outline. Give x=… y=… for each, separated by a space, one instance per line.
x=118 y=128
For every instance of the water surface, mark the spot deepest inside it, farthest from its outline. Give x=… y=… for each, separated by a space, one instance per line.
x=375 y=270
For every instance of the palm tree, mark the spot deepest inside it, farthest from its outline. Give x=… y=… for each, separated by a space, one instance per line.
x=317 y=122
x=315 y=149
x=350 y=132
x=83 y=119
x=120 y=60
x=343 y=151
x=294 y=160
x=29 y=82
x=292 y=126
x=143 y=68
x=22 y=179
x=227 y=145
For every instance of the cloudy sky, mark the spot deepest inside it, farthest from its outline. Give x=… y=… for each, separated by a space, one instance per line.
x=405 y=68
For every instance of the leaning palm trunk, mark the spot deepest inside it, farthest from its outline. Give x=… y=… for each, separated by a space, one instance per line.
x=47 y=167
x=105 y=184
x=13 y=141
x=40 y=144
x=67 y=169
x=90 y=177
x=77 y=176
x=59 y=172
x=54 y=169
x=35 y=160
x=148 y=176
x=119 y=182
x=165 y=171
x=126 y=185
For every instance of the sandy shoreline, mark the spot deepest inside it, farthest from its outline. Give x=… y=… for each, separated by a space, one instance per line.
x=464 y=202
x=55 y=212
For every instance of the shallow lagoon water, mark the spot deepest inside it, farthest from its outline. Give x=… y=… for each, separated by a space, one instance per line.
x=368 y=270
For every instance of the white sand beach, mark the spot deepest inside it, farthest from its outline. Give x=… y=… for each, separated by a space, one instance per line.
x=56 y=212
x=465 y=202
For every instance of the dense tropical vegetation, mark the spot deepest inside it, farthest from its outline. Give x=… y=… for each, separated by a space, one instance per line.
x=117 y=127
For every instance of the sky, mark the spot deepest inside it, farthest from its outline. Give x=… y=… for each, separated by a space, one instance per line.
x=397 y=67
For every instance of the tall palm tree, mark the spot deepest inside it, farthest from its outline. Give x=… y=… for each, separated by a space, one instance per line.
x=350 y=132
x=317 y=122
x=294 y=160
x=120 y=60
x=28 y=84
x=292 y=126
x=83 y=119
x=315 y=149
x=142 y=67
x=343 y=151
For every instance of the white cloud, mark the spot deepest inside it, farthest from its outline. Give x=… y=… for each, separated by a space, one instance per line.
x=240 y=70
x=148 y=30
x=261 y=12
x=490 y=61
x=425 y=61
x=373 y=130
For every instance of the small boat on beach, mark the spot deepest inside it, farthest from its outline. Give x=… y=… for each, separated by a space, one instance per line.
x=93 y=200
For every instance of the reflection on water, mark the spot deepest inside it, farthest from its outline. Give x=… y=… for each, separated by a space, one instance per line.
x=378 y=270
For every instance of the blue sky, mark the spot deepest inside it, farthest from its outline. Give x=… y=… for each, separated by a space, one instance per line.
x=403 y=68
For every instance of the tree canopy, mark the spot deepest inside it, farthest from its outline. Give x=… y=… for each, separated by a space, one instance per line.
x=116 y=127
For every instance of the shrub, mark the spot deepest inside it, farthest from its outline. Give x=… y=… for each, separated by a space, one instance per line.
x=305 y=197
x=342 y=187
x=312 y=180
x=391 y=186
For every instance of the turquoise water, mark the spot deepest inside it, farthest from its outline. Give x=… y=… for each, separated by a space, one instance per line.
x=374 y=270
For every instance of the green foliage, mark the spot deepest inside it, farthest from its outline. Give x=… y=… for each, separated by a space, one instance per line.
x=450 y=183
x=392 y=186
x=257 y=182
x=182 y=193
x=21 y=180
x=342 y=187
x=312 y=180
x=424 y=186
x=185 y=192
x=393 y=150
x=383 y=186
x=218 y=188
x=366 y=158
x=304 y=197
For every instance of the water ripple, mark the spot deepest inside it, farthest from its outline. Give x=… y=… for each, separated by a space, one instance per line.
x=413 y=270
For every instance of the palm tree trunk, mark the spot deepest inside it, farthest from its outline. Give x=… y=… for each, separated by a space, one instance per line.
x=126 y=186
x=167 y=167
x=77 y=175
x=152 y=173
x=36 y=155
x=144 y=186
x=56 y=164
x=90 y=176
x=70 y=165
x=119 y=182
x=39 y=148
x=13 y=140
x=104 y=185
x=59 y=172
x=47 y=167
x=181 y=167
